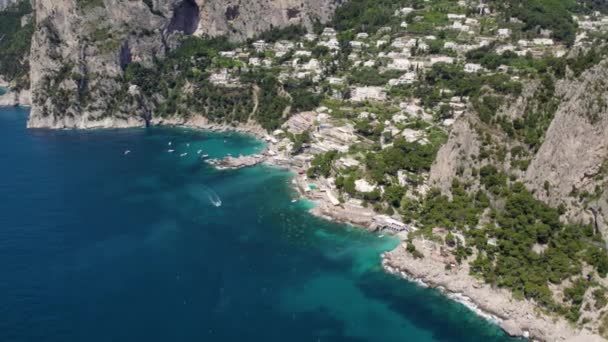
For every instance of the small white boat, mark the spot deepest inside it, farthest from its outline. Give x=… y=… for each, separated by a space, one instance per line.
x=294 y=200
x=183 y=154
x=205 y=156
x=199 y=151
x=127 y=152
x=188 y=145
x=170 y=151
x=170 y=143
x=381 y=236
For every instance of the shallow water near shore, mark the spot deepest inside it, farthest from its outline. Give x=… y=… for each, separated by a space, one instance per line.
x=99 y=245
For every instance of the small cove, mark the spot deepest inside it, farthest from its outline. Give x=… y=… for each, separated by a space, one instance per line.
x=98 y=245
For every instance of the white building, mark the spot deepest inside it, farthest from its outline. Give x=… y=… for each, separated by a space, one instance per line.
x=260 y=46
x=543 y=42
x=227 y=54
x=452 y=16
x=524 y=43
x=407 y=78
x=400 y=64
x=332 y=44
x=254 y=61
x=361 y=185
x=504 y=48
x=335 y=80
x=310 y=37
x=471 y=22
x=328 y=32
x=383 y=221
x=369 y=64
x=357 y=45
x=302 y=53
x=460 y=27
x=361 y=94
x=449 y=45
x=504 y=33
x=411 y=135
x=405 y=11
x=472 y=68
x=441 y=59
x=312 y=65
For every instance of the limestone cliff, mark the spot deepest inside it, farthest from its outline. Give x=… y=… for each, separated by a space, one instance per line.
x=570 y=167
x=81 y=48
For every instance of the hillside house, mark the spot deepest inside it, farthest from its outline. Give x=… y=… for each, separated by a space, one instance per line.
x=360 y=94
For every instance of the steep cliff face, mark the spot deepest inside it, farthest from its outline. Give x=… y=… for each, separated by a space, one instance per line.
x=245 y=18
x=457 y=154
x=81 y=48
x=570 y=167
x=470 y=139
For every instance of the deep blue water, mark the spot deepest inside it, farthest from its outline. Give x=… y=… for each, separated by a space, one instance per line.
x=96 y=245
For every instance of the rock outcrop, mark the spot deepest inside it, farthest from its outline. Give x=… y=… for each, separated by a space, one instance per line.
x=12 y=99
x=571 y=167
x=457 y=154
x=80 y=49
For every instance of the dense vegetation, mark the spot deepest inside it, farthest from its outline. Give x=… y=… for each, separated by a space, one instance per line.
x=366 y=15
x=15 y=42
x=403 y=155
x=186 y=67
x=291 y=32
x=513 y=263
x=531 y=247
x=554 y=15
x=593 y=5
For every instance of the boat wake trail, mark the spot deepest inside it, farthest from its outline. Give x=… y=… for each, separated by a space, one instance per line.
x=213 y=197
x=202 y=193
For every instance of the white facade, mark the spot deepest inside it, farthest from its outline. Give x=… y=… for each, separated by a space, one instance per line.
x=472 y=68
x=361 y=94
x=442 y=59
x=400 y=64
x=504 y=33
x=361 y=185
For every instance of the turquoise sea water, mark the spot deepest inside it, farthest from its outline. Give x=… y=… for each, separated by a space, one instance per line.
x=96 y=245
x=3 y=91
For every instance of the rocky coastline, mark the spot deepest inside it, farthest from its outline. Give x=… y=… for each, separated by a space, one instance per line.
x=518 y=318
x=14 y=99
